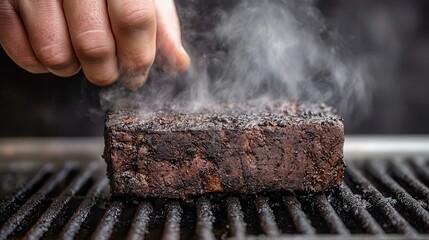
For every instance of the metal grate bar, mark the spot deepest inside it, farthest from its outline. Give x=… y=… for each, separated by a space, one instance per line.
x=75 y=222
x=107 y=223
x=421 y=169
x=333 y=222
x=300 y=221
x=205 y=219
x=45 y=169
x=44 y=222
x=369 y=192
x=172 y=222
x=379 y=172
x=403 y=172
x=140 y=222
x=28 y=207
x=266 y=217
x=235 y=218
x=360 y=213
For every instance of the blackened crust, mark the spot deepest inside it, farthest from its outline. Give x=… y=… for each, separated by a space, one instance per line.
x=228 y=148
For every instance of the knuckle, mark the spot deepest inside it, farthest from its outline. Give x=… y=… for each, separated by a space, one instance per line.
x=54 y=57
x=93 y=48
x=140 y=64
x=135 y=16
x=8 y=13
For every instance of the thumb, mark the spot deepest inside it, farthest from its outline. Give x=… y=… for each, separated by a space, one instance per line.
x=171 y=55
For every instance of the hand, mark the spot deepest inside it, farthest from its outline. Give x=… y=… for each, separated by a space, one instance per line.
x=108 y=39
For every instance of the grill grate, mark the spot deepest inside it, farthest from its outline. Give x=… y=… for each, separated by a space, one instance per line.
x=378 y=199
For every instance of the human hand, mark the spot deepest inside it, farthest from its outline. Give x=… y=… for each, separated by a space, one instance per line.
x=108 y=39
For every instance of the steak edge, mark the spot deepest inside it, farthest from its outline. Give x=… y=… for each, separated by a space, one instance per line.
x=225 y=148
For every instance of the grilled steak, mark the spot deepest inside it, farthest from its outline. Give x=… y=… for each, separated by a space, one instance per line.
x=225 y=148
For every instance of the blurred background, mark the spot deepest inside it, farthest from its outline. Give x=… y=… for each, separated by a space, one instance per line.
x=397 y=30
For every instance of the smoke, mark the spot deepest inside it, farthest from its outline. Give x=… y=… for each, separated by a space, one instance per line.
x=257 y=50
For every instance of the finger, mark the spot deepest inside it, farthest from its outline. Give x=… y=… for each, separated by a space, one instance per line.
x=48 y=35
x=14 y=40
x=170 y=52
x=134 y=27
x=92 y=39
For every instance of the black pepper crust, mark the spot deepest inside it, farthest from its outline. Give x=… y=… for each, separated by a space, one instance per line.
x=237 y=148
x=225 y=116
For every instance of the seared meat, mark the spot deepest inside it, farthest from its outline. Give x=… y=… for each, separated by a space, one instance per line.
x=224 y=148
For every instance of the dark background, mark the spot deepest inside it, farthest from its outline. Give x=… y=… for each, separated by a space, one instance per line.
x=45 y=105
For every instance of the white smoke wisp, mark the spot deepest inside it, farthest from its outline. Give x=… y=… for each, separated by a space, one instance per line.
x=269 y=50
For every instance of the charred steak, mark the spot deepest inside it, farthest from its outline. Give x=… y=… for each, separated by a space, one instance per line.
x=228 y=148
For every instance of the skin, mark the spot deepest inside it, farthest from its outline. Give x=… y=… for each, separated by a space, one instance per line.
x=109 y=40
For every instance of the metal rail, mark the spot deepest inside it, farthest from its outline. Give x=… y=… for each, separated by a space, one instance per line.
x=355 y=146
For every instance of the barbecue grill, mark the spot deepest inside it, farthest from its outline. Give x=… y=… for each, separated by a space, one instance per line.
x=56 y=188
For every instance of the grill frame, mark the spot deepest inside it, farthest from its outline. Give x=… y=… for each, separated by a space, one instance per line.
x=49 y=155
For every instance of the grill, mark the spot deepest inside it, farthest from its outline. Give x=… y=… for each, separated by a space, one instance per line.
x=57 y=188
